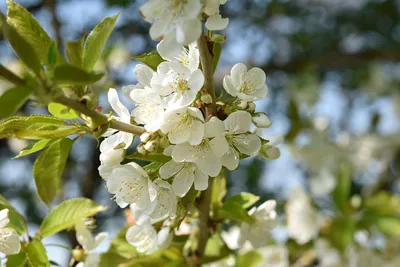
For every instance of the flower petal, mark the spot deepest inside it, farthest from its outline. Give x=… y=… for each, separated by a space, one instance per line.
x=188 y=30
x=216 y=23
x=196 y=80
x=200 y=180
x=238 y=122
x=183 y=181
x=4 y=220
x=143 y=74
x=248 y=144
x=117 y=106
x=229 y=87
x=237 y=73
x=9 y=241
x=196 y=133
x=230 y=159
x=169 y=49
x=170 y=168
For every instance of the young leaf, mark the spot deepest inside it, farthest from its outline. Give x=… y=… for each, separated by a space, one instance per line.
x=74 y=52
x=21 y=47
x=52 y=54
x=156 y=157
x=12 y=100
x=16 y=260
x=341 y=193
x=36 y=254
x=217 y=49
x=248 y=259
x=49 y=167
x=96 y=41
x=17 y=222
x=68 y=74
x=67 y=214
x=34 y=147
x=245 y=200
x=152 y=59
x=215 y=249
x=29 y=29
x=389 y=225
x=62 y=112
x=234 y=211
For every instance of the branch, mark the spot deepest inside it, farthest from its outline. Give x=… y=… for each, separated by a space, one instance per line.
x=100 y=118
x=207 y=67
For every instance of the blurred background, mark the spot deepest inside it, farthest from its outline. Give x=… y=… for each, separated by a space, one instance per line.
x=334 y=95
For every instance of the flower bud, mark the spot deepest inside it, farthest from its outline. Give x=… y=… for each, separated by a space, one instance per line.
x=78 y=254
x=268 y=152
x=112 y=157
x=241 y=104
x=251 y=107
x=140 y=149
x=261 y=120
x=206 y=98
x=145 y=137
x=164 y=143
x=151 y=146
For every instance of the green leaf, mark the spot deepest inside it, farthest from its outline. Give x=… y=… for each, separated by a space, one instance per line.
x=341 y=233
x=36 y=127
x=234 y=211
x=16 y=260
x=217 y=49
x=68 y=74
x=29 y=29
x=96 y=41
x=341 y=193
x=36 y=254
x=74 y=52
x=17 y=222
x=155 y=157
x=34 y=147
x=62 y=112
x=389 y=225
x=219 y=191
x=48 y=169
x=215 y=249
x=111 y=259
x=21 y=47
x=383 y=203
x=245 y=200
x=52 y=54
x=248 y=259
x=67 y=214
x=12 y=100
x=8 y=75
x=152 y=59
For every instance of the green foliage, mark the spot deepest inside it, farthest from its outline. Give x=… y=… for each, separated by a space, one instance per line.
x=120 y=247
x=36 y=254
x=36 y=127
x=21 y=47
x=68 y=74
x=248 y=259
x=96 y=41
x=152 y=59
x=154 y=157
x=48 y=169
x=12 y=100
x=218 y=41
x=245 y=200
x=215 y=249
x=74 y=52
x=17 y=260
x=341 y=193
x=34 y=147
x=29 y=29
x=341 y=233
x=17 y=222
x=234 y=209
x=62 y=112
x=111 y=259
x=67 y=214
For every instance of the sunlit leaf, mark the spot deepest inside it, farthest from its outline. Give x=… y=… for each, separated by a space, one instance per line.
x=244 y=199
x=155 y=157
x=36 y=254
x=12 y=100
x=17 y=260
x=152 y=59
x=17 y=222
x=248 y=259
x=62 y=112
x=34 y=147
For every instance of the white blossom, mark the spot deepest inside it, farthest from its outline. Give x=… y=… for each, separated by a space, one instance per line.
x=273 y=256
x=176 y=84
x=164 y=205
x=9 y=240
x=232 y=137
x=131 y=184
x=246 y=85
x=183 y=16
x=171 y=51
x=185 y=174
x=92 y=260
x=302 y=219
x=184 y=125
x=85 y=237
x=264 y=220
x=261 y=120
x=215 y=22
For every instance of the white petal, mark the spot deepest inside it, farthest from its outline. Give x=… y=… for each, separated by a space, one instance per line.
x=237 y=73
x=193 y=57
x=238 y=122
x=216 y=23
x=229 y=87
x=143 y=74
x=117 y=106
x=219 y=145
x=230 y=159
x=100 y=238
x=84 y=236
x=164 y=204
x=9 y=241
x=196 y=80
x=183 y=181
x=188 y=31
x=214 y=127
x=169 y=49
x=152 y=190
x=261 y=120
x=164 y=238
x=170 y=168
x=4 y=220
x=196 y=133
x=105 y=171
x=144 y=238
x=92 y=260
x=195 y=112
x=160 y=27
x=183 y=152
x=200 y=180
x=192 y=9
x=248 y=144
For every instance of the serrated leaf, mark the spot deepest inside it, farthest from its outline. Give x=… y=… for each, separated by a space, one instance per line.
x=152 y=59
x=155 y=157
x=34 y=147
x=67 y=214
x=245 y=200
x=21 y=47
x=17 y=222
x=36 y=127
x=341 y=193
x=16 y=260
x=12 y=100
x=68 y=74
x=248 y=259
x=74 y=52
x=96 y=41
x=48 y=169
x=36 y=254
x=29 y=29
x=62 y=112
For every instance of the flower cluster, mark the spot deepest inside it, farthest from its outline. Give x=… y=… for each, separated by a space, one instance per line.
x=9 y=239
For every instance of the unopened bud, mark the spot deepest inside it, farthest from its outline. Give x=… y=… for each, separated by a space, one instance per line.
x=140 y=149
x=241 y=104
x=164 y=143
x=269 y=152
x=251 y=107
x=206 y=98
x=145 y=137
x=261 y=120
x=151 y=146
x=112 y=157
x=78 y=254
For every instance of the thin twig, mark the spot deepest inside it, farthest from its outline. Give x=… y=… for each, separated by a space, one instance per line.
x=52 y=5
